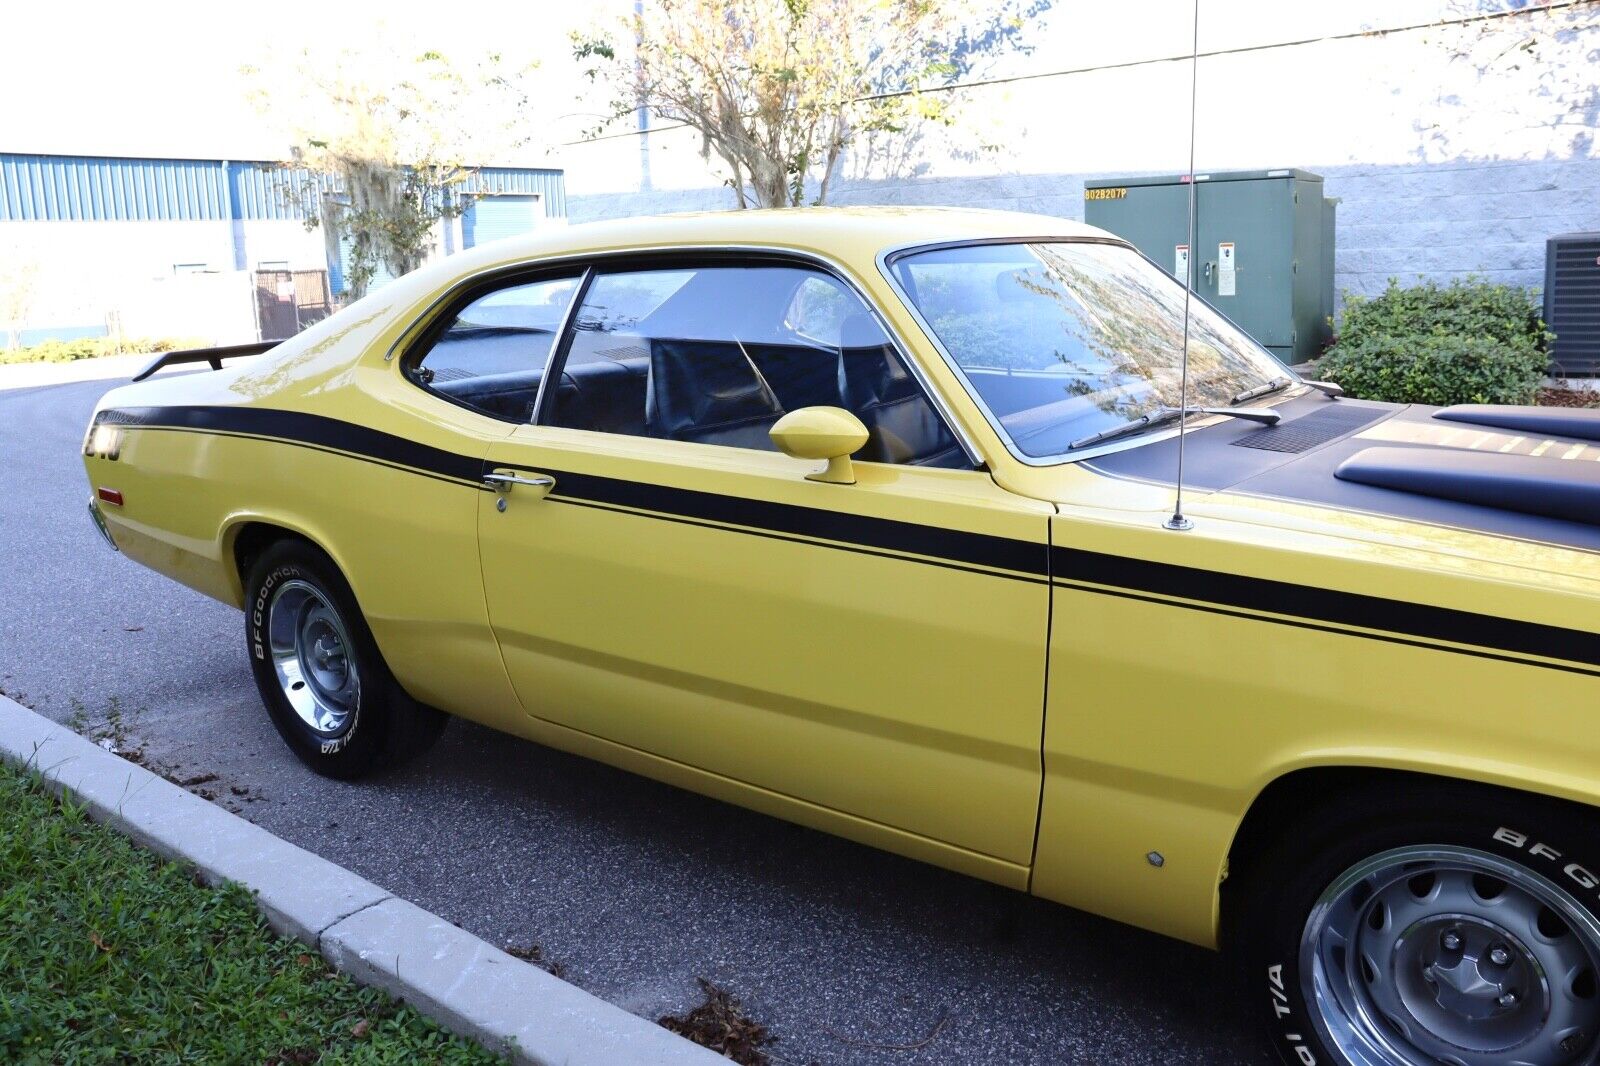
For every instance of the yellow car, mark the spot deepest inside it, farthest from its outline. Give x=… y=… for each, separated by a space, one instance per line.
x=862 y=518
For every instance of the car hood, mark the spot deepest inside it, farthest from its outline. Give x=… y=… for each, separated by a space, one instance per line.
x=1498 y=483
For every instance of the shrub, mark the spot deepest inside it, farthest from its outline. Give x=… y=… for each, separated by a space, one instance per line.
x=1435 y=369
x=1465 y=342
x=93 y=348
x=1467 y=307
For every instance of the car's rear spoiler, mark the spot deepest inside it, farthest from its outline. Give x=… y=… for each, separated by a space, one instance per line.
x=214 y=356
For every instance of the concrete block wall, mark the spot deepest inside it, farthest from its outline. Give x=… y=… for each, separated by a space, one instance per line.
x=1446 y=220
x=1436 y=221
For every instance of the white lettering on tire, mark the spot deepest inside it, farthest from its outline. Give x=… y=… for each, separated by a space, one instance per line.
x=1578 y=874
x=1280 y=1007
x=258 y=615
x=258 y=610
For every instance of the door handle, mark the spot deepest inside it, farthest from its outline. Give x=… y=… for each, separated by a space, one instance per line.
x=503 y=482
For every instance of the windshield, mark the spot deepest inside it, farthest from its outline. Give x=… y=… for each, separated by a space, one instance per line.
x=1062 y=340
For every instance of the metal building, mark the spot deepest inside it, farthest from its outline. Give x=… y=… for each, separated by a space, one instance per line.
x=198 y=248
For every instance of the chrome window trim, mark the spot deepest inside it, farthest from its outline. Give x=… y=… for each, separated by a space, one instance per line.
x=886 y=260
x=408 y=345
x=593 y=260
x=558 y=353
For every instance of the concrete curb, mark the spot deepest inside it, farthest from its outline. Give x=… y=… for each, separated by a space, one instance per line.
x=464 y=983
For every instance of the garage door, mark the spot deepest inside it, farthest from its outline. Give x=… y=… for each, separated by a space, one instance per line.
x=339 y=273
x=489 y=218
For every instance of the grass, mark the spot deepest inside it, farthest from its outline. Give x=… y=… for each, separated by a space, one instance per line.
x=111 y=955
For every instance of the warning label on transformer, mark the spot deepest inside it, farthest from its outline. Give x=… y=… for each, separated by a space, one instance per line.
x=1226 y=269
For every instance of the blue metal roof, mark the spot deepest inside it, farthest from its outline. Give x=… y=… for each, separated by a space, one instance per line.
x=102 y=188
x=549 y=185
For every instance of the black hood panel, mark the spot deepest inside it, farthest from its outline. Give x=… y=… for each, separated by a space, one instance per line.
x=1234 y=455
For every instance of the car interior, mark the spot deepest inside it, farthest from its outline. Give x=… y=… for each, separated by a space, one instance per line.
x=718 y=361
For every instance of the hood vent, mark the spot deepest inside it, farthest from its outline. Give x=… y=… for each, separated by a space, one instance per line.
x=1311 y=430
x=1507 y=482
x=1575 y=422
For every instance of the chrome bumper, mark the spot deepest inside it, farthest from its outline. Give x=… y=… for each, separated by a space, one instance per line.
x=100 y=523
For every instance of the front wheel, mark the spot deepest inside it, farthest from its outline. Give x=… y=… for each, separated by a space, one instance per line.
x=1429 y=924
x=325 y=686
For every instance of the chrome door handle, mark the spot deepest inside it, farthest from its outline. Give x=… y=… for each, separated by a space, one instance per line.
x=505 y=481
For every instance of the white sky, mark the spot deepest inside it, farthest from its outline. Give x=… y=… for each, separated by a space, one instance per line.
x=102 y=78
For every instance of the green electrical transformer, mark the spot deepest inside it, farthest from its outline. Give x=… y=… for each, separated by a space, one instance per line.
x=1265 y=247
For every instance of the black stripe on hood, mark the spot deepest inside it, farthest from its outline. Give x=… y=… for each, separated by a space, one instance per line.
x=1228 y=456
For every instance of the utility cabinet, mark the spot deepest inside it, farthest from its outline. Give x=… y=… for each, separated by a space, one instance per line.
x=1265 y=247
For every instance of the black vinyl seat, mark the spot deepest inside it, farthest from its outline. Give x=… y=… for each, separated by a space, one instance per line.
x=603 y=395
x=800 y=374
x=710 y=393
x=902 y=426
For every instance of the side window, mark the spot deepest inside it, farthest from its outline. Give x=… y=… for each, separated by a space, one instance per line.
x=701 y=354
x=717 y=354
x=494 y=352
x=819 y=308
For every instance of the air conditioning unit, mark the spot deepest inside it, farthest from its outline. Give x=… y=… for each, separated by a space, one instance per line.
x=1572 y=303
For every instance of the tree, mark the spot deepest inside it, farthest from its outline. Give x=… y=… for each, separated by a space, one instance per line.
x=779 y=89
x=1533 y=85
x=19 y=284
x=383 y=146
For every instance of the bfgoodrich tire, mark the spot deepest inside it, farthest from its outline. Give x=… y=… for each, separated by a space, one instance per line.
x=1427 y=923
x=325 y=686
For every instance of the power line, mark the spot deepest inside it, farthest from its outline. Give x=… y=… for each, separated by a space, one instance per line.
x=1242 y=49
x=1183 y=58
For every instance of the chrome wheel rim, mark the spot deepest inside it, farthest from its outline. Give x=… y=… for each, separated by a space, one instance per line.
x=1430 y=955
x=311 y=655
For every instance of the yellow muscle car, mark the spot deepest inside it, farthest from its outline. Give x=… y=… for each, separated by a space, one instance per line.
x=859 y=518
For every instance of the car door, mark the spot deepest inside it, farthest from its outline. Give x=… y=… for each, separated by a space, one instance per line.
x=659 y=577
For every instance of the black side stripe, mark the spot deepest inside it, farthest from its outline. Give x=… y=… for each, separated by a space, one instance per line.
x=954 y=545
x=297 y=427
x=1304 y=605
x=1420 y=620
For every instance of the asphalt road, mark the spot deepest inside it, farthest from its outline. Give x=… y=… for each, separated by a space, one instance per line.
x=633 y=887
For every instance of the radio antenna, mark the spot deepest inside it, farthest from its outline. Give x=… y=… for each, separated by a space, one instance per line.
x=1178 y=521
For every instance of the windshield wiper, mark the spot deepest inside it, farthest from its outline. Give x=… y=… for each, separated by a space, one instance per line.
x=1162 y=415
x=1261 y=390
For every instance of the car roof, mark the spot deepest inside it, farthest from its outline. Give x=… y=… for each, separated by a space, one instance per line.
x=844 y=232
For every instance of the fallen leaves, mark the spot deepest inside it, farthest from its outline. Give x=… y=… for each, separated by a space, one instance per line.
x=720 y=1023
x=1560 y=397
x=535 y=954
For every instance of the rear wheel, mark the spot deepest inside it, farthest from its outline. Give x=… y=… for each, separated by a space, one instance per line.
x=1431 y=924
x=325 y=686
